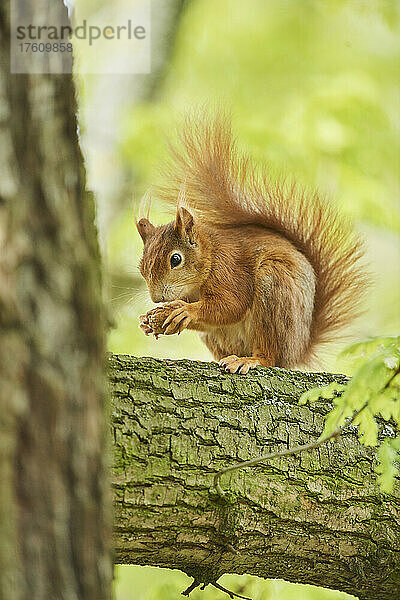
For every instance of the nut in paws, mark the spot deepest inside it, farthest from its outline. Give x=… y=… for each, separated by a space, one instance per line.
x=152 y=322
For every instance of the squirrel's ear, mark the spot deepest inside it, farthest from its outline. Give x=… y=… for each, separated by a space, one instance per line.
x=184 y=223
x=145 y=228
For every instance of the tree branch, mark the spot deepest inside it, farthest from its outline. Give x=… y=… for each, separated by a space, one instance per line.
x=287 y=452
x=315 y=517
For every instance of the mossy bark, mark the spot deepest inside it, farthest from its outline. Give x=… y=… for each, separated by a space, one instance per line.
x=315 y=518
x=55 y=525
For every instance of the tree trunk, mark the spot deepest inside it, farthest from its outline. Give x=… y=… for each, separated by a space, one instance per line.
x=314 y=518
x=54 y=517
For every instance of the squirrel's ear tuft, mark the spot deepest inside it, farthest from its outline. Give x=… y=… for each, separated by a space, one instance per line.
x=184 y=223
x=145 y=228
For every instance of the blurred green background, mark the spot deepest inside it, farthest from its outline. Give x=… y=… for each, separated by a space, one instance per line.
x=313 y=86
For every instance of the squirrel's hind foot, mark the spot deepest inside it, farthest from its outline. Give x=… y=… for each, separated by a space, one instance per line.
x=241 y=364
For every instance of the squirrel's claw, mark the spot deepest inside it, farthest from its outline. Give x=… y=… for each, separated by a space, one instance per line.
x=184 y=324
x=172 y=317
x=236 y=364
x=177 y=321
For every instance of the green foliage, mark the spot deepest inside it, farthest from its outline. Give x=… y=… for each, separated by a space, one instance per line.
x=151 y=583
x=312 y=90
x=388 y=456
x=373 y=391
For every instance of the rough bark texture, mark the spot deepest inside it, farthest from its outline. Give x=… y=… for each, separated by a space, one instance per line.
x=54 y=529
x=314 y=518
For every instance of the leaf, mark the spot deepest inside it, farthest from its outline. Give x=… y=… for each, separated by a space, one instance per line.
x=358 y=354
x=368 y=428
x=392 y=362
x=327 y=392
x=395 y=383
x=373 y=390
x=388 y=454
x=387 y=404
x=367 y=348
x=336 y=417
x=370 y=379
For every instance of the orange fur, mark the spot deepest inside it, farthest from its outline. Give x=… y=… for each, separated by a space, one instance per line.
x=224 y=189
x=267 y=270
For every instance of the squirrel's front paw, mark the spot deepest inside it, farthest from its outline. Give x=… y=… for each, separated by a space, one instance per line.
x=180 y=317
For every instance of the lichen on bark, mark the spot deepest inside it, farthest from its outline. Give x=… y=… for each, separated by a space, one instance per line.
x=315 y=518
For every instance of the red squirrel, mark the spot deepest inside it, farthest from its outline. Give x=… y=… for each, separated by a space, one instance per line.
x=265 y=272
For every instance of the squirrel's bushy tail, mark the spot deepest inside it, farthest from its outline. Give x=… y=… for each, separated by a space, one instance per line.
x=224 y=189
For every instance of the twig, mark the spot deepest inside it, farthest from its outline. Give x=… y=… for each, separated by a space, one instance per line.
x=202 y=586
x=288 y=452
x=230 y=594
x=191 y=587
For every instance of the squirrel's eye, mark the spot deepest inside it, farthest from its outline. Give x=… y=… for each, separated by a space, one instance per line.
x=176 y=260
